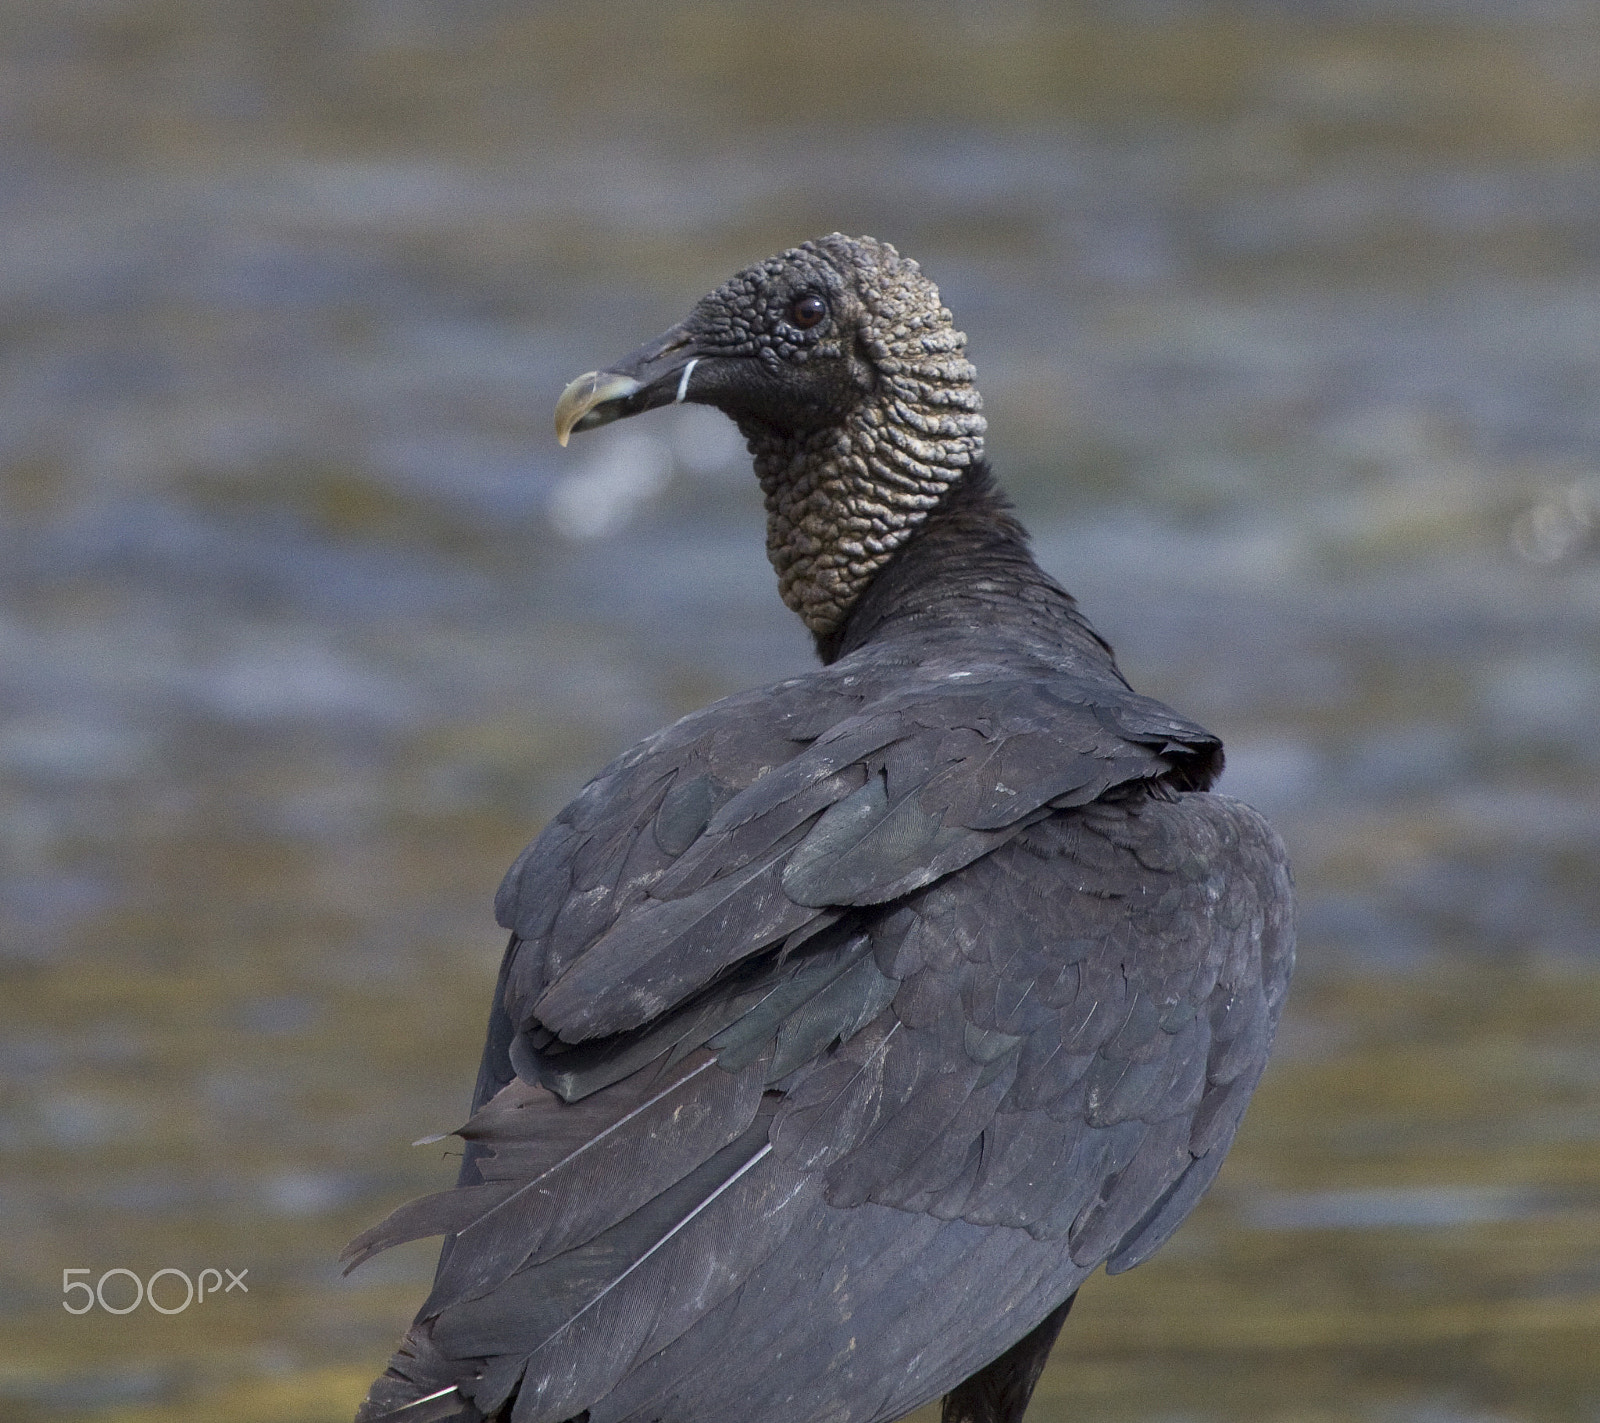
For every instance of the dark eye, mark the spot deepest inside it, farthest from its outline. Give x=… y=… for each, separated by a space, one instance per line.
x=808 y=311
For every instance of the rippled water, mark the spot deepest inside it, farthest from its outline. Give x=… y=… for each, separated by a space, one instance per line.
x=1288 y=323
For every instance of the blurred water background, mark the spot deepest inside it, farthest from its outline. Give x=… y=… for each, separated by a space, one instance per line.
x=1288 y=323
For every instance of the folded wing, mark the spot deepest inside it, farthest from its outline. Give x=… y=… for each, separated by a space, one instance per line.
x=1053 y=1041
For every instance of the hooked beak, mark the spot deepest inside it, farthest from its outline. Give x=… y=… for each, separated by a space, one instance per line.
x=657 y=374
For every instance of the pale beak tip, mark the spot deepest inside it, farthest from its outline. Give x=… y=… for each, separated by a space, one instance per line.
x=585 y=396
x=576 y=401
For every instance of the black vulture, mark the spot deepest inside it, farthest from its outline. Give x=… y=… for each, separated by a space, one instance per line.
x=848 y=1024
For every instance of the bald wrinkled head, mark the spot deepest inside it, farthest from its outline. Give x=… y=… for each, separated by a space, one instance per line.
x=848 y=380
x=831 y=322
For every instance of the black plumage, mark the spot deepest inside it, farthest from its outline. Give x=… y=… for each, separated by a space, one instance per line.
x=848 y=1024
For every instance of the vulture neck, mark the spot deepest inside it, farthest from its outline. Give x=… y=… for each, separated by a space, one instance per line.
x=843 y=498
x=966 y=568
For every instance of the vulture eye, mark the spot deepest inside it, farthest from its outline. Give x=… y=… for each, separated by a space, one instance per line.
x=808 y=311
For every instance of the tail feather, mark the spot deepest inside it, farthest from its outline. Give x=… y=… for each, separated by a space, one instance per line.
x=419 y=1386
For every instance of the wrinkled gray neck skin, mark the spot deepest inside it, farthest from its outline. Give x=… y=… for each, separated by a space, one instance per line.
x=841 y=498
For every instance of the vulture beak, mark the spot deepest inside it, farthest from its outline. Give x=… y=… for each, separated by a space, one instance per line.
x=656 y=374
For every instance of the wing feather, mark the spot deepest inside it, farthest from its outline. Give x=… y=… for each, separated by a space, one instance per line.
x=822 y=999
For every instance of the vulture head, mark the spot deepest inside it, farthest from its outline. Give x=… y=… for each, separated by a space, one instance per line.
x=846 y=377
